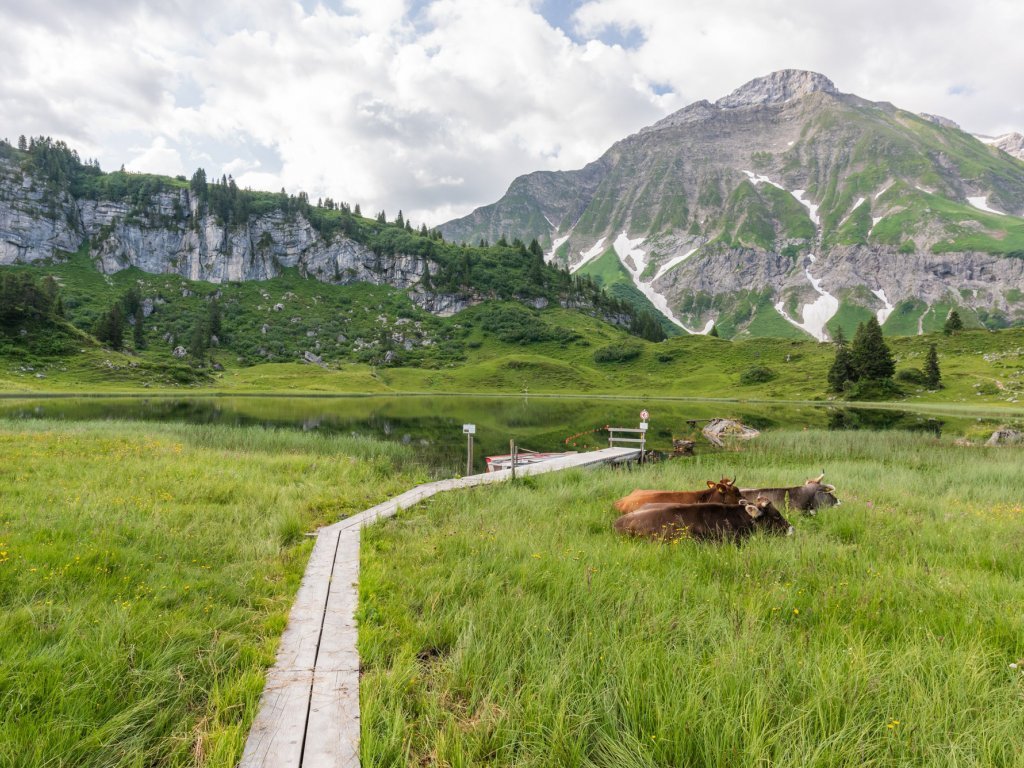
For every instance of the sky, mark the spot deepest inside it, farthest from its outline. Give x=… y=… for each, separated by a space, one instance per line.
x=434 y=106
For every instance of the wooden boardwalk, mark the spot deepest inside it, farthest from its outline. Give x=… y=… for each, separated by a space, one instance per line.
x=309 y=711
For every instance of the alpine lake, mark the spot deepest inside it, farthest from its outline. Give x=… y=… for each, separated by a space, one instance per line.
x=433 y=425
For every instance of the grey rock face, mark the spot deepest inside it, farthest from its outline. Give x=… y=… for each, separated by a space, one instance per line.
x=169 y=236
x=776 y=88
x=1011 y=144
x=945 y=122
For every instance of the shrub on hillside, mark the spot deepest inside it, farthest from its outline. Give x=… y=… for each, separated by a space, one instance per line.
x=518 y=325
x=617 y=353
x=759 y=374
x=912 y=376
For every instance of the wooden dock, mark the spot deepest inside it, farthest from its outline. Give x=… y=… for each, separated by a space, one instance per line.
x=309 y=712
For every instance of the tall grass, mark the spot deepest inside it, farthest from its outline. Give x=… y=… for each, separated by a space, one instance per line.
x=146 y=573
x=510 y=626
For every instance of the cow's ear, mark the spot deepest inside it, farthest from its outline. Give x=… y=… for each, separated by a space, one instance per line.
x=830 y=488
x=754 y=512
x=712 y=484
x=763 y=502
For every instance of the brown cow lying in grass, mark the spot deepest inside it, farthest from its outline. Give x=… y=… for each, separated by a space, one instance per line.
x=703 y=521
x=722 y=492
x=808 y=498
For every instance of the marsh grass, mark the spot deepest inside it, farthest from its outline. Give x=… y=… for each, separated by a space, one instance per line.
x=146 y=574
x=509 y=626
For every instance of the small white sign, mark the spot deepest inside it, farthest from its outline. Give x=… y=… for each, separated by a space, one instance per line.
x=469 y=429
x=644 y=415
x=643 y=426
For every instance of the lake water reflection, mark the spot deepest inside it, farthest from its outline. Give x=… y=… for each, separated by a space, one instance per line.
x=433 y=424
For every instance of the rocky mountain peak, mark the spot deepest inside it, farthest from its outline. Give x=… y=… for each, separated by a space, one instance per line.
x=1011 y=144
x=776 y=88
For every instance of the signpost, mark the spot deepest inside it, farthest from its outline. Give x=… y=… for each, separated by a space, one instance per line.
x=644 y=416
x=469 y=430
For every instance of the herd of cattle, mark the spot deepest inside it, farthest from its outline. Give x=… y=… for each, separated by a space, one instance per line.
x=721 y=511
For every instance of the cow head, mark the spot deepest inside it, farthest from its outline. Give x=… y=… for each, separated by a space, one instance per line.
x=726 y=490
x=767 y=518
x=823 y=495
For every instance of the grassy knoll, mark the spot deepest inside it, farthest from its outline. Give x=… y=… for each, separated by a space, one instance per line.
x=146 y=573
x=516 y=629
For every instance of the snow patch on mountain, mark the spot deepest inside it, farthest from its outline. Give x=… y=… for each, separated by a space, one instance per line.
x=634 y=260
x=812 y=209
x=884 y=312
x=588 y=256
x=981 y=203
x=672 y=263
x=555 y=245
x=856 y=205
x=759 y=179
x=816 y=314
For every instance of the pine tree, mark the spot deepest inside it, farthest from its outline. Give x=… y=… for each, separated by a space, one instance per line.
x=399 y=220
x=714 y=331
x=200 y=340
x=110 y=328
x=23 y=143
x=953 y=323
x=839 y=338
x=214 y=320
x=841 y=370
x=357 y=210
x=932 y=374
x=138 y=337
x=869 y=354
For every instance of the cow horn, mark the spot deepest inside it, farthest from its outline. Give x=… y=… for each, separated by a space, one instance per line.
x=817 y=479
x=754 y=512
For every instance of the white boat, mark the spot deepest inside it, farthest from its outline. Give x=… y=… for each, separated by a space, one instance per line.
x=524 y=457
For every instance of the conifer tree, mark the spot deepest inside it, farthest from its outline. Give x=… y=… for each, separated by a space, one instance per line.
x=214 y=320
x=714 y=331
x=953 y=323
x=200 y=340
x=357 y=210
x=110 y=328
x=932 y=374
x=138 y=337
x=869 y=355
x=841 y=370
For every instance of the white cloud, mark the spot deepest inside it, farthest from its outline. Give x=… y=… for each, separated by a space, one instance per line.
x=435 y=108
x=157 y=158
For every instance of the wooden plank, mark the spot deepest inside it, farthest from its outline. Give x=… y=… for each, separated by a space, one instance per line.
x=332 y=733
x=275 y=740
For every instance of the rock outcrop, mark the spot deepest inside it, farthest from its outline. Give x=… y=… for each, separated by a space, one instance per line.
x=170 y=234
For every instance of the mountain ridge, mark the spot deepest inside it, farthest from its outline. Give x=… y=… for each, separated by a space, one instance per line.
x=828 y=192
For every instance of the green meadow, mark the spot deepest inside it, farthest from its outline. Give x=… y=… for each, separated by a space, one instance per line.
x=509 y=626
x=146 y=574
